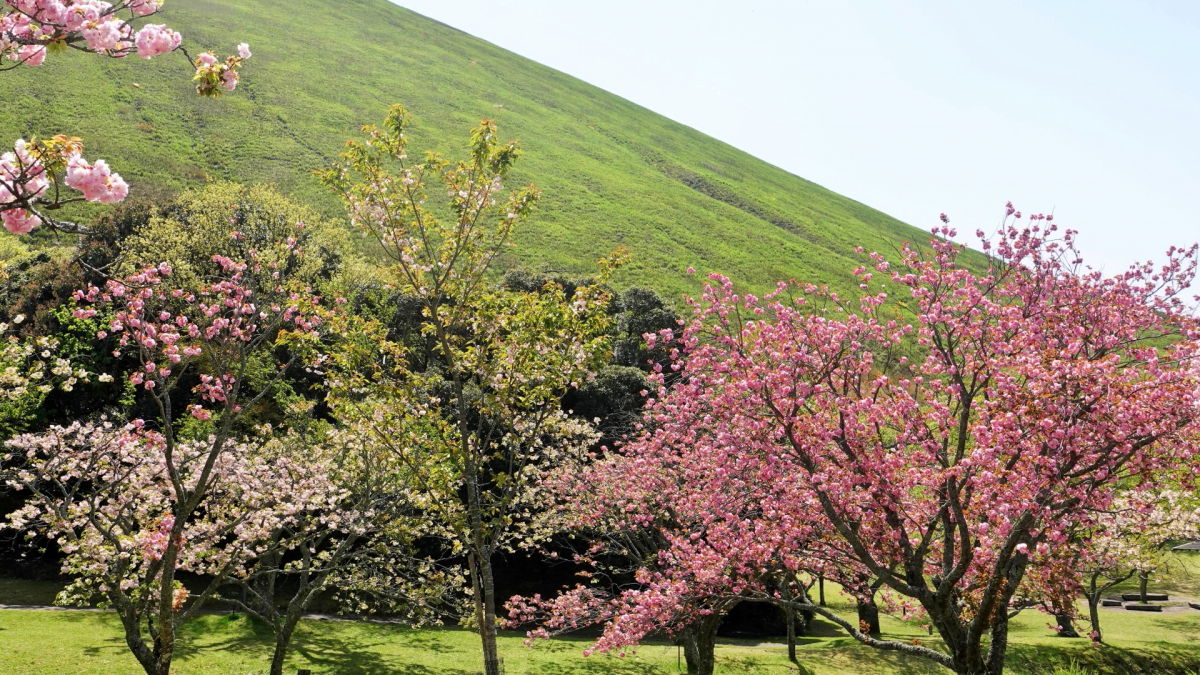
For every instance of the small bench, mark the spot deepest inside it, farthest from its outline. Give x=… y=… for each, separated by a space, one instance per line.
x=1110 y=603
x=1144 y=608
x=1149 y=596
x=1194 y=605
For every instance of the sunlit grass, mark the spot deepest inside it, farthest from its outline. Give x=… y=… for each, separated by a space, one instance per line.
x=91 y=642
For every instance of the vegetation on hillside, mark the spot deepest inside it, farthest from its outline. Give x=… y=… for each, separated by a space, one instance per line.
x=613 y=172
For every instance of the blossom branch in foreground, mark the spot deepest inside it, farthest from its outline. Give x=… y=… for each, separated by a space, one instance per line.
x=33 y=174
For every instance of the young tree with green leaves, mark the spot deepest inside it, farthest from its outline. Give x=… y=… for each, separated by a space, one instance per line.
x=472 y=401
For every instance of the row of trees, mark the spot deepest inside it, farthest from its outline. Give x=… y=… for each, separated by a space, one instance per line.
x=310 y=422
x=992 y=439
x=959 y=442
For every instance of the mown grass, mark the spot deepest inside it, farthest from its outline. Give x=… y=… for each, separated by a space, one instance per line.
x=612 y=172
x=90 y=642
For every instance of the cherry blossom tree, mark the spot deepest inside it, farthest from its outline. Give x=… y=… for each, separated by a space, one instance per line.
x=943 y=442
x=222 y=330
x=673 y=536
x=354 y=520
x=107 y=495
x=36 y=174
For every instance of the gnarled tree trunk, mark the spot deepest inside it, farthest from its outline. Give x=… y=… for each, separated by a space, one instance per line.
x=699 y=644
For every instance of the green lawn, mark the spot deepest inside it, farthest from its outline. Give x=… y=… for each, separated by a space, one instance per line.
x=90 y=642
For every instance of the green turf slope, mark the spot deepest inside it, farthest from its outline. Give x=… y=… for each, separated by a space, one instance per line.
x=612 y=172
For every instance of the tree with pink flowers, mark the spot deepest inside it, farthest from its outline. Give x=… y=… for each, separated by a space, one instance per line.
x=107 y=494
x=943 y=443
x=36 y=174
x=208 y=338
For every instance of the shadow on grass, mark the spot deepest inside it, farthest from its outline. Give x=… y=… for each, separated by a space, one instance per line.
x=342 y=651
x=111 y=646
x=425 y=640
x=575 y=645
x=1038 y=660
x=607 y=666
x=1188 y=629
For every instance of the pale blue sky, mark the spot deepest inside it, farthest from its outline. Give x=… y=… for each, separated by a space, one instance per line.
x=1090 y=109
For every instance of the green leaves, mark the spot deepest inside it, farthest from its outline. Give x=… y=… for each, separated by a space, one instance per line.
x=470 y=396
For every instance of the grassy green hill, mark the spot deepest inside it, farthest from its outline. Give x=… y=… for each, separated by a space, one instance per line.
x=611 y=171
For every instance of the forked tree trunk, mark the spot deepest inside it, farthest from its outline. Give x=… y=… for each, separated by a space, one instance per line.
x=699 y=645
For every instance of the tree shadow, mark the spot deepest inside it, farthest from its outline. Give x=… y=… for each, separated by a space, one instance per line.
x=425 y=640
x=1045 y=659
x=1189 y=629
x=110 y=647
x=334 y=650
x=354 y=653
x=606 y=666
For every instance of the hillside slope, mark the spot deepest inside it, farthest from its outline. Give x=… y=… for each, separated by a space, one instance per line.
x=611 y=171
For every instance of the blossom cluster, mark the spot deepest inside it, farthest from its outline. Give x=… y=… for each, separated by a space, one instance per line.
x=34 y=367
x=172 y=326
x=214 y=76
x=30 y=27
x=28 y=177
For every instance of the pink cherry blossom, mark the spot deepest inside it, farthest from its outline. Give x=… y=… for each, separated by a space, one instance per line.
x=154 y=39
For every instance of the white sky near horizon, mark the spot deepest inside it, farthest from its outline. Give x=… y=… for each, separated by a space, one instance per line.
x=1086 y=109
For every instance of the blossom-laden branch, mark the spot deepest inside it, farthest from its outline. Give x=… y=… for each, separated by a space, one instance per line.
x=32 y=29
x=34 y=174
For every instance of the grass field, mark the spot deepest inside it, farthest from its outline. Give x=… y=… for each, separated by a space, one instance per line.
x=612 y=172
x=33 y=641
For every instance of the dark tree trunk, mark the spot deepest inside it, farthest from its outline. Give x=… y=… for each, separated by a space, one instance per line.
x=1066 y=625
x=487 y=632
x=485 y=611
x=999 y=645
x=1094 y=616
x=821 y=591
x=162 y=658
x=1143 y=582
x=789 y=613
x=283 y=639
x=699 y=645
x=868 y=617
